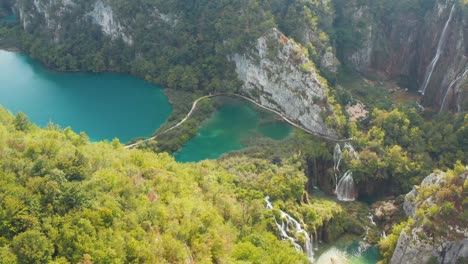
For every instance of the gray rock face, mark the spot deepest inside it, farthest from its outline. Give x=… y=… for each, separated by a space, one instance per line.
x=103 y=15
x=279 y=76
x=403 y=43
x=52 y=16
x=330 y=62
x=412 y=249
x=410 y=205
x=54 y=11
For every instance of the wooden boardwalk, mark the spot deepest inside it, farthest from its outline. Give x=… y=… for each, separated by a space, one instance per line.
x=194 y=105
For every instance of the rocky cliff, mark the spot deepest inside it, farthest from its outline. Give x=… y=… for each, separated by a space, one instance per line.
x=56 y=16
x=426 y=204
x=399 y=40
x=278 y=73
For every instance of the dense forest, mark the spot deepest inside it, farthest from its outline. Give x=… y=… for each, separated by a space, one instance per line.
x=64 y=199
x=189 y=52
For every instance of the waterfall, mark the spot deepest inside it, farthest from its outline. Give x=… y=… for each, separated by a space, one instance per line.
x=289 y=223
x=371 y=218
x=367 y=233
x=459 y=77
x=337 y=157
x=351 y=151
x=336 y=162
x=316 y=241
x=384 y=235
x=345 y=187
x=440 y=46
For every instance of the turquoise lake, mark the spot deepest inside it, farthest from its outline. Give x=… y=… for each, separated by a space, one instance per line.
x=105 y=106
x=228 y=129
x=350 y=251
x=7 y=19
x=108 y=105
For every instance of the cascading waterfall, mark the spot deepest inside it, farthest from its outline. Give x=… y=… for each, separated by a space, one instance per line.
x=337 y=157
x=351 y=151
x=384 y=235
x=336 y=163
x=287 y=223
x=440 y=46
x=316 y=241
x=345 y=188
x=459 y=77
x=371 y=218
x=367 y=233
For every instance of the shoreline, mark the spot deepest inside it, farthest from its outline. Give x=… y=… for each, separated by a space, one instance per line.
x=13 y=49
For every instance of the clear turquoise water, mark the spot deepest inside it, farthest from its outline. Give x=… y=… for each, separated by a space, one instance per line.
x=8 y=19
x=105 y=105
x=350 y=251
x=228 y=129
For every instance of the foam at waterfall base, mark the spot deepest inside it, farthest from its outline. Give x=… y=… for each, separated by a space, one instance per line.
x=333 y=256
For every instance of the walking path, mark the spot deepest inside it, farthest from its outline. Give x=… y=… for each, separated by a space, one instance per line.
x=194 y=105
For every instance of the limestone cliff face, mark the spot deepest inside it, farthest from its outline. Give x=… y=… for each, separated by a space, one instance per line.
x=411 y=248
x=402 y=43
x=280 y=76
x=48 y=14
x=103 y=15
x=54 y=16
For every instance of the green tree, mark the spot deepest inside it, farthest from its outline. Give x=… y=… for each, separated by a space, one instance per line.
x=22 y=122
x=32 y=247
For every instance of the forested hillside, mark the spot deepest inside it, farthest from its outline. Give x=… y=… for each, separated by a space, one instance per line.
x=178 y=44
x=66 y=200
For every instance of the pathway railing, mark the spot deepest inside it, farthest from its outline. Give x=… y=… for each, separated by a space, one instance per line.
x=194 y=105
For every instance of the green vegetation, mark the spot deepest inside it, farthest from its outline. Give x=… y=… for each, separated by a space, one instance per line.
x=186 y=46
x=400 y=147
x=65 y=200
x=440 y=212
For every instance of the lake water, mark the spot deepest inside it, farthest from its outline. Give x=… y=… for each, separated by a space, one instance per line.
x=7 y=19
x=109 y=105
x=349 y=251
x=105 y=105
x=228 y=129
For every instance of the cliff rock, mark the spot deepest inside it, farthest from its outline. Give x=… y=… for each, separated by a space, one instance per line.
x=416 y=244
x=279 y=75
x=399 y=41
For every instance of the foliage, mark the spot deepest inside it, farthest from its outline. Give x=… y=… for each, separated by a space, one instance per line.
x=400 y=147
x=387 y=245
x=440 y=211
x=66 y=200
x=186 y=46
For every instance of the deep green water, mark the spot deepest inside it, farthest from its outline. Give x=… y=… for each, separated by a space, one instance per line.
x=228 y=129
x=105 y=106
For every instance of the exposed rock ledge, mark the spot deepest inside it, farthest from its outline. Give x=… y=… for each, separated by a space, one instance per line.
x=278 y=75
x=412 y=249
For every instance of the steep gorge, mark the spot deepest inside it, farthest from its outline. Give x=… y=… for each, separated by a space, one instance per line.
x=399 y=40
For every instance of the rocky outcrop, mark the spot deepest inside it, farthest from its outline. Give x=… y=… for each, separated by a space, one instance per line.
x=413 y=245
x=401 y=43
x=55 y=16
x=48 y=14
x=412 y=250
x=279 y=75
x=103 y=15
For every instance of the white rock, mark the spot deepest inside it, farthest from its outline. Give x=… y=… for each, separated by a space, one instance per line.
x=272 y=74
